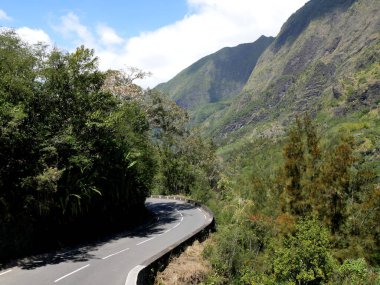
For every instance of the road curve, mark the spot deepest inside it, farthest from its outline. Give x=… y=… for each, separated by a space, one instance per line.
x=116 y=260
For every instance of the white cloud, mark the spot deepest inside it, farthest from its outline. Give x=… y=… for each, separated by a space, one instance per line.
x=4 y=16
x=108 y=36
x=209 y=26
x=72 y=28
x=212 y=24
x=33 y=36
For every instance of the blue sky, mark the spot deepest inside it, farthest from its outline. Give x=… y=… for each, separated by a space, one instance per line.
x=160 y=36
x=129 y=18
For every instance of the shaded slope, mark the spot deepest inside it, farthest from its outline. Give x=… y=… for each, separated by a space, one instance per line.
x=330 y=68
x=214 y=78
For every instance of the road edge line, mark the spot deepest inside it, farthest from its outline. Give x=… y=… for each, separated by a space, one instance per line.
x=133 y=275
x=208 y=226
x=5 y=272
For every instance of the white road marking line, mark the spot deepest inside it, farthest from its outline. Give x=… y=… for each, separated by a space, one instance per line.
x=180 y=214
x=145 y=241
x=6 y=272
x=75 y=271
x=171 y=228
x=132 y=275
x=165 y=232
x=115 y=253
x=205 y=216
x=199 y=210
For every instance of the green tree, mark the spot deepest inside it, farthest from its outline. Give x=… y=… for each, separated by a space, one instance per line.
x=71 y=153
x=304 y=258
x=294 y=169
x=187 y=163
x=302 y=165
x=353 y=272
x=337 y=179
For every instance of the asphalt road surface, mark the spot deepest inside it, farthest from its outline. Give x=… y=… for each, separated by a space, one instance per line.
x=110 y=262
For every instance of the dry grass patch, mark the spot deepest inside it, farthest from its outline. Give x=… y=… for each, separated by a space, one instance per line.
x=188 y=268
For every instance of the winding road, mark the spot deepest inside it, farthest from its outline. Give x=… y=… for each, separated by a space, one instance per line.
x=117 y=260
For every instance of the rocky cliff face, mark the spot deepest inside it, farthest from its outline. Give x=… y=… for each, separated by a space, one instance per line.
x=325 y=61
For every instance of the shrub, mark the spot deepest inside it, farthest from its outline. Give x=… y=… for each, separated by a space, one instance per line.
x=353 y=272
x=304 y=257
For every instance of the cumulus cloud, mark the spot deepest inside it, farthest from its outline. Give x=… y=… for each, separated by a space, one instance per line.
x=71 y=28
x=33 y=36
x=4 y=16
x=209 y=26
x=108 y=36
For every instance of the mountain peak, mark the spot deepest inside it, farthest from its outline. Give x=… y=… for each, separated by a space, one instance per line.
x=215 y=78
x=299 y=21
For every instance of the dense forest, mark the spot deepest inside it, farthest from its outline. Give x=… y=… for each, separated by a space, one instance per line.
x=302 y=210
x=81 y=149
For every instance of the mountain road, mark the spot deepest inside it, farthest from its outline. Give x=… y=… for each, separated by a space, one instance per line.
x=116 y=260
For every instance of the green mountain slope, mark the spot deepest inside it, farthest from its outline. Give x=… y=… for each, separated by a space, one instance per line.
x=324 y=68
x=207 y=85
x=325 y=60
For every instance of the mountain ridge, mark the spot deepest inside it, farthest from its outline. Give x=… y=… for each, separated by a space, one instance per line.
x=321 y=71
x=214 y=79
x=324 y=61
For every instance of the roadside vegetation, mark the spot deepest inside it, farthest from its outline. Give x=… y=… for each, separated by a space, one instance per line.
x=81 y=149
x=304 y=209
x=190 y=267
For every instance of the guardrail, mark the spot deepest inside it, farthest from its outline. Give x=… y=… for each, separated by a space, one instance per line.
x=146 y=272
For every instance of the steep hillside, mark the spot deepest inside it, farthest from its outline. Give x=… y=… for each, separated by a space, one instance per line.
x=207 y=85
x=286 y=184
x=325 y=60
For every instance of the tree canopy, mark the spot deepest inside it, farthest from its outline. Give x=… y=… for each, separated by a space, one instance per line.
x=81 y=149
x=71 y=152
